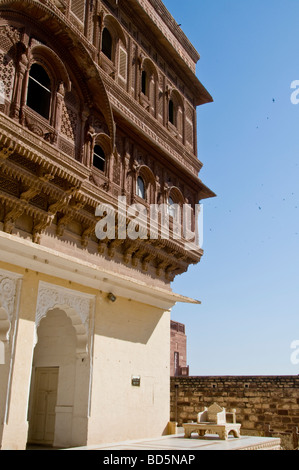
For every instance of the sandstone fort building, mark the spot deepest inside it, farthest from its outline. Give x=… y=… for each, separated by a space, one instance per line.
x=98 y=100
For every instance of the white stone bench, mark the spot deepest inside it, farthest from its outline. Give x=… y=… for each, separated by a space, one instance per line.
x=213 y=420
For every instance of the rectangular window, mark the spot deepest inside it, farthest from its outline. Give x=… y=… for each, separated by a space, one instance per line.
x=189 y=131
x=189 y=126
x=123 y=61
x=78 y=8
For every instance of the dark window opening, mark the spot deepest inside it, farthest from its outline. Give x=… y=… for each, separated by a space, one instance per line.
x=39 y=91
x=107 y=43
x=99 y=158
x=143 y=82
x=171 y=112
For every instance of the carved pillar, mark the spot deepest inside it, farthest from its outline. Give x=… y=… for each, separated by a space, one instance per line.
x=125 y=167
x=18 y=93
x=129 y=75
x=134 y=170
x=184 y=123
x=165 y=190
x=96 y=29
x=57 y=108
x=84 y=143
x=113 y=158
x=110 y=168
x=9 y=297
x=15 y=428
x=100 y=33
x=156 y=191
x=138 y=73
x=156 y=100
x=167 y=93
x=195 y=132
x=23 y=99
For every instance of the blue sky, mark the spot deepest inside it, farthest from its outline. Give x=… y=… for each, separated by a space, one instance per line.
x=248 y=140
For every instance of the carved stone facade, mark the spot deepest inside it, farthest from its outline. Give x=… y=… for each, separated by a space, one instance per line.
x=98 y=101
x=48 y=180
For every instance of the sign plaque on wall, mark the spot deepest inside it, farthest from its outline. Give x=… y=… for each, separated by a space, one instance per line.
x=136 y=381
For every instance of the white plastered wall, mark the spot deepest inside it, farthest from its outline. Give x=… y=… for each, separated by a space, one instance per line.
x=126 y=338
x=131 y=340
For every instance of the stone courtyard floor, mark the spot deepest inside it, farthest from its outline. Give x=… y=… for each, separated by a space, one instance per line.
x=179 y=443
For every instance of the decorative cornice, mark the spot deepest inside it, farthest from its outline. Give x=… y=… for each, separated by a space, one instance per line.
x=79 y=202
x=15 y=139
x=161 y=17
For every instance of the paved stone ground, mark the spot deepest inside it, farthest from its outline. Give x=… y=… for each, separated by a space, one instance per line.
x=179 y=443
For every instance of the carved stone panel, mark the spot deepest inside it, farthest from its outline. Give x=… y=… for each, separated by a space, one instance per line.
x=9 y=298
x=78 y=307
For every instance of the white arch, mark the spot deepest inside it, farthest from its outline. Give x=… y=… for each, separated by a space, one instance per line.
x=53 y=62
x=80 y=331
x=77 y=306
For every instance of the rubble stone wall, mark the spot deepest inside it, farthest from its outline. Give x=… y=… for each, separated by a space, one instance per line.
x=265 y=406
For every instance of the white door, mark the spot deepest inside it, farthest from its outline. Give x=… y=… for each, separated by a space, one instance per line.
x=45 y=398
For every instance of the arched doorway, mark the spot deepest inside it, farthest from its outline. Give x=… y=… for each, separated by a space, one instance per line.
x=58 y=405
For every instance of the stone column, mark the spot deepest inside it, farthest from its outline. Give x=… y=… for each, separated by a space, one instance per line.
x=19 y=98
x=84 y=153
x=57 y=107
x=16 y=426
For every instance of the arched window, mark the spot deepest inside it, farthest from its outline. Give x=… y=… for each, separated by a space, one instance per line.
x=149 y=86
x=39 y=91
x=107 y=43
x=99 y=158
x=140 y=190
x=171 y=112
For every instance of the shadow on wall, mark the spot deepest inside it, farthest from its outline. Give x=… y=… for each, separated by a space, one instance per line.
x=127 y=320
x=2 y=353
